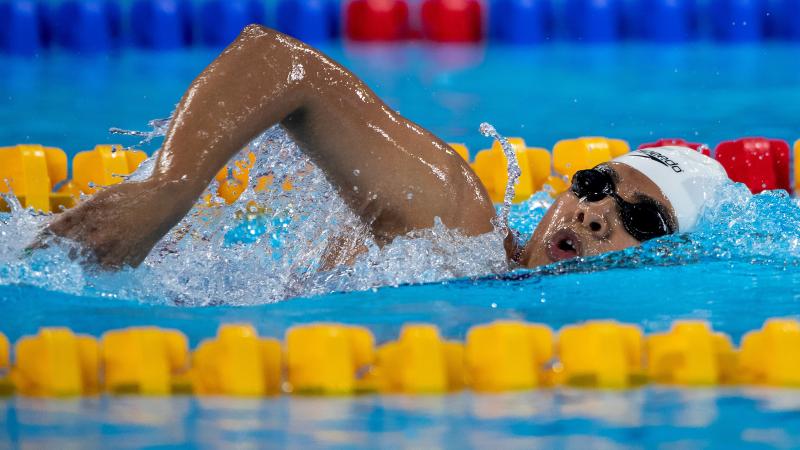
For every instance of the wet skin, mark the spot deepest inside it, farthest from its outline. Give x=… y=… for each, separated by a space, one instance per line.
x=590 y=228
x=395 y=175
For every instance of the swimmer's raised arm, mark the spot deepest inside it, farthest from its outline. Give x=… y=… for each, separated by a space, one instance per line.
x=394 y=174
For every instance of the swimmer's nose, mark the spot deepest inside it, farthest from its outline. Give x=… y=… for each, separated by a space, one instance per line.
x=595 y=216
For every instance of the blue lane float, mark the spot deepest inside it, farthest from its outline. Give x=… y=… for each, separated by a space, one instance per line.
x=46 y=22
x=521 y=21
x=114 y=16
x=783 y=19
x=27 y=27
x=312 y=21
x=161 y=24
x=222 y=20
x=88 y=26
x=665 y=21
x=737 y=20
x=21 y=27
x=593 y=21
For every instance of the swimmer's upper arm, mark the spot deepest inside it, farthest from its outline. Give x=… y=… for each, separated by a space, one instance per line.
x=393 y=173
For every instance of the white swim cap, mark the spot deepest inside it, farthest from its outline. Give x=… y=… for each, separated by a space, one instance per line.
x=687 y=178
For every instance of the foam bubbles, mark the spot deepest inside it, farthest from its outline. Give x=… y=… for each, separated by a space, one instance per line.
x=282 y=243
x=267 y=246
x=514 y=172
x=736 y=226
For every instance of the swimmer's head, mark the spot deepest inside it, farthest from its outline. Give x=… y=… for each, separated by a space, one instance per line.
x=639 y=196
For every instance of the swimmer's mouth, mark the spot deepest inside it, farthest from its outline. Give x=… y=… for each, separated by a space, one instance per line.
x=563 y=245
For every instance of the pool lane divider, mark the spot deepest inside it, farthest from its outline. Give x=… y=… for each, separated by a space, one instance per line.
x=311 y=21
x=161 y=24
x=220 y=21
x=27 y=27
x=336 y=359
x=6 y=387
x=39 y=178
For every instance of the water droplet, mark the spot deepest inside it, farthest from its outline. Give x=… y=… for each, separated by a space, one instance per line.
x=267 y=245
x=514 y=172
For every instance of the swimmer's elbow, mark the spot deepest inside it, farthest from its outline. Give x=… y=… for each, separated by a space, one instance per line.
x=254 y=34
x=255 y=30
x=259 y=37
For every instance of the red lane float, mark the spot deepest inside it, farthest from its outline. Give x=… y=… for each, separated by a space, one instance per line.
x=702 y=148
x=376 y=20
x=760 y=163
x=452 y=20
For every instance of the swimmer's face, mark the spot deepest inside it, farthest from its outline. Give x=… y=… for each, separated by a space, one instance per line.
x=576 y=227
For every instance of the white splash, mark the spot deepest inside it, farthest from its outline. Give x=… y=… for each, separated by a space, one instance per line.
x=514 y=172
x=265 y=247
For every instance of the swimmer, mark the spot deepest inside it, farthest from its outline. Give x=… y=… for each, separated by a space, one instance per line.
x=395 y=175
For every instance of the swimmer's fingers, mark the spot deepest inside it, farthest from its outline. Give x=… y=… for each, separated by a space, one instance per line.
x=36 y=245
x=41 y=242
x=74 y=250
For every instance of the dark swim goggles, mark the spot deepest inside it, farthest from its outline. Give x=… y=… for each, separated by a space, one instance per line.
x=643 y=220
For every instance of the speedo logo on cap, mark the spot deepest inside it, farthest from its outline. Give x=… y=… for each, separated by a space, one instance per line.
x=659 y=158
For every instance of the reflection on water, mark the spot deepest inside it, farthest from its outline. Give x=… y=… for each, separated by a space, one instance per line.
x=682 y=418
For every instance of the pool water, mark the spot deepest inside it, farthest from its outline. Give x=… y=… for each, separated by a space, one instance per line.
x=702 y=91
x=569 y=419
x=739 y=269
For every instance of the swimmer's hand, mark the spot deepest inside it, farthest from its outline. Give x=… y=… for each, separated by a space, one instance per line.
x=119 y=225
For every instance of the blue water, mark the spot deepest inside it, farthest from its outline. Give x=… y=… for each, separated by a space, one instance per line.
x=570 y=419
x=632 y=91
x=739 y=270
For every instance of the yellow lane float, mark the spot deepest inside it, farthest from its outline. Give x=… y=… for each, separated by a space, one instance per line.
x=237 y=362
x=145 y=360
x=32 y=172
x=507 y=356
x=602 y=354
x=325 y=358
x=39 y=178
x=56 y=363
x=491 y=167
x=691 y=354
x=572 y=155
x=336 y=359
x=6 y=386
x=420 y=361
x=771 y=356
x=105 y=165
